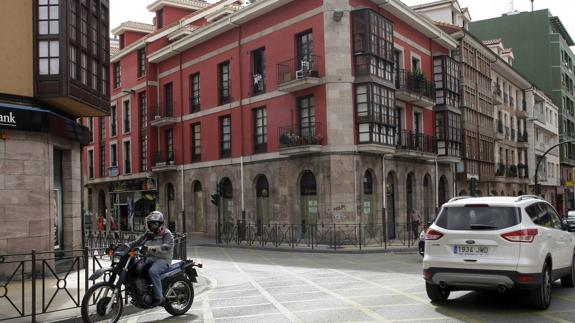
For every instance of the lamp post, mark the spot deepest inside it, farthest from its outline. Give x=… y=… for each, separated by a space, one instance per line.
x=537 y=185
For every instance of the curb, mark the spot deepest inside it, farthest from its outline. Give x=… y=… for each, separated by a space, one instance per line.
x=402 y=250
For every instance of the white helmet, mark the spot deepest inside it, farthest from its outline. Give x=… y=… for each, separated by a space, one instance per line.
x=155 y=221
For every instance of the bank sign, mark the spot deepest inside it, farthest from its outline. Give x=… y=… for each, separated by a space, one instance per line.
x=34 y=119
x=8 y=120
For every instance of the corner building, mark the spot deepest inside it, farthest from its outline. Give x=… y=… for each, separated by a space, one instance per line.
x=54 y=58
x=305 y=112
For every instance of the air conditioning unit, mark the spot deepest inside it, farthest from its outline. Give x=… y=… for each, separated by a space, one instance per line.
x=303 y=71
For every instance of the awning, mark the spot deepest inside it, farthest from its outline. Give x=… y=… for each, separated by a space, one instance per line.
x=38 y=119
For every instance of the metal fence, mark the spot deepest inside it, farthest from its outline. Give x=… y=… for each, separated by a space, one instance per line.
x=321 y=236
x=39 y=283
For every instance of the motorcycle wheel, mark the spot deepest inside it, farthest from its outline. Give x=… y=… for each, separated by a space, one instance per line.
x=95 y=302
x=179 y=296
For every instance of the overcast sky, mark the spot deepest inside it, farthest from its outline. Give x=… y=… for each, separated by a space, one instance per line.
x=135 y=10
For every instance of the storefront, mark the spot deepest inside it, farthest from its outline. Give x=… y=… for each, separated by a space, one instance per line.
x=131 y=201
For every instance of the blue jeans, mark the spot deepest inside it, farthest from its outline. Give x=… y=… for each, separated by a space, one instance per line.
x=158 y=266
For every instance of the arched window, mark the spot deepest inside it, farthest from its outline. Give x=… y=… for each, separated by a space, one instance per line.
x=309 y=201
x=442 y=191
x=390 y=204
x=263 y=215
x=428 y=201
x=199 y=224
x=227 y=202
x=367 y=204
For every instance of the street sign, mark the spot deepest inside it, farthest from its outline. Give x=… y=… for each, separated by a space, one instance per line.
x=569 y=184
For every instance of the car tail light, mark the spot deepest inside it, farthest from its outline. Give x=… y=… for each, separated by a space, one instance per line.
x=525 y=235
x=525 y=279
x=427 y=274
x=431 y=234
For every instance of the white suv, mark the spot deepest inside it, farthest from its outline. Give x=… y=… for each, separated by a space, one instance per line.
x=498 y=243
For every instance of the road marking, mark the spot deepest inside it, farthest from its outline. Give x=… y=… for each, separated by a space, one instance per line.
x=356 y=305
x=449 y=312
x=551 y=317
x=207 y=313
x=291 y=316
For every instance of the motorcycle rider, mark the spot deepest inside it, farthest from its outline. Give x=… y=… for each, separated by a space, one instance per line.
x=160 y=243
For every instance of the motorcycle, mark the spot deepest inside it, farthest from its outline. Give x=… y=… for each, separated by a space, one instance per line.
x=103 y=302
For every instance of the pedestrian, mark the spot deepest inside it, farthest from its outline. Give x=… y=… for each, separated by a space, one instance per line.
x=415 y=218
x=101 y=223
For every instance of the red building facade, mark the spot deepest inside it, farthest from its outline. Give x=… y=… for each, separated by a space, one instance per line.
x=304 y=112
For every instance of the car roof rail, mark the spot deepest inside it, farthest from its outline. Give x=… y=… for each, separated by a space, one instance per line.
x=457 y=198
x=525 y=197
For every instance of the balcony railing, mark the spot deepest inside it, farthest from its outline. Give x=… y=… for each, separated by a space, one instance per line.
x=501 y=170
x=511 y=171
x=414 y=82
x=409 y=140
x=496 y=90
x=296 y=135
x=511 y=101
x=164 y=157
x=523 y=170
x=499 y=126
x=506 y=132
x=522 y=136
x=164 y=110
x=512 y=134
x=298 y=68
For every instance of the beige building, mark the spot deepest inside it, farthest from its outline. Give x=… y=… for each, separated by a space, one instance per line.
x=45 y=85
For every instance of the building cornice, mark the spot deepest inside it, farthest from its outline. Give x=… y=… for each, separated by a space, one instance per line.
x=133 y=26
x=212 y=30
x=184 y=4
x=418 y=22
x=169 y=30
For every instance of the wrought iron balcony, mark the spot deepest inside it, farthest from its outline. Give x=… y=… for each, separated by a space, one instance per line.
x=497 y=94
x=298 y=139
x=164 y=160
x=511 y=171
x=522 y=136
x=414 y=87
x=501 y=169
x=417 y=142
x=499 y=126
x=298 y=73
x=523 y=170
x=164 y=114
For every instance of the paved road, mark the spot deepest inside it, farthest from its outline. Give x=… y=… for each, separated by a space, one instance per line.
x=244 y=285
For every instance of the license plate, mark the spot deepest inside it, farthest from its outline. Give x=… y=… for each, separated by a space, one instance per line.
x=470 y=250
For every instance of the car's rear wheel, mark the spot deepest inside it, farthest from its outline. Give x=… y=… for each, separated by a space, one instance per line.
x=435 y=293
x=541 y=296
x=569 y=280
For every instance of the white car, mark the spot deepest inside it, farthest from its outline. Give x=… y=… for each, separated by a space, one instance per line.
x=498 y=243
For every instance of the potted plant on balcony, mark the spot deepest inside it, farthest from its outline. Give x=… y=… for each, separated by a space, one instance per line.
x=288 y=138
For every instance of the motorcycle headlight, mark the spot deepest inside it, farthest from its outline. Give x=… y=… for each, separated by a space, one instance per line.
x=115 y=259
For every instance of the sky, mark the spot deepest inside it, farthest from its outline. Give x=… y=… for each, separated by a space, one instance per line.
x=135 y=10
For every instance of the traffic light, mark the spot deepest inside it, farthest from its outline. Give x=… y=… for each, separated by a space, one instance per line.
x=215 y=199
x=473 y=186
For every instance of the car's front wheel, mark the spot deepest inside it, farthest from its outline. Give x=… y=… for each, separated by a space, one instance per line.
x=541 y=296
x=435 y=293
x=569 y=280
